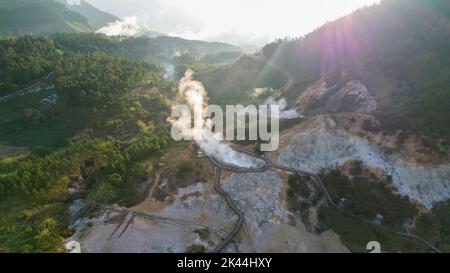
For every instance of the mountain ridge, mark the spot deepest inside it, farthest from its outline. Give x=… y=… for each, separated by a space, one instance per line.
x=45 y=17
x=96 y=17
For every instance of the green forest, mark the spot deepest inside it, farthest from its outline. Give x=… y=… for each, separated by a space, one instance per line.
x=123 y=102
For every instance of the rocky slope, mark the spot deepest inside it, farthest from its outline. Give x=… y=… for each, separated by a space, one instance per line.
x=352 y=97
x=197 y=218
x=322 y=142
x=340 y=128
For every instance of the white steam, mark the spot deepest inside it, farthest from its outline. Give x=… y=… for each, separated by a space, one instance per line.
x=177 y=53
x=127 y=27
x=73 y=2
x=169 y=71
x=194 y=94
x=284 y=114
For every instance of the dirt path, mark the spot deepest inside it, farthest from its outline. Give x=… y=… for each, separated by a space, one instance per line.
x=241 y=218
x=315 y=178
x=155 y=184
x=171 y=221
x=230 y=202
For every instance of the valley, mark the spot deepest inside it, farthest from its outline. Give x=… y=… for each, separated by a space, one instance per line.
x=88 y=161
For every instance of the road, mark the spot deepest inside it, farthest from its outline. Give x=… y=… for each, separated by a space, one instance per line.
x=219 y=165
x=170 y=221
x=241 y=218
x=26 y=89
x=316 y=179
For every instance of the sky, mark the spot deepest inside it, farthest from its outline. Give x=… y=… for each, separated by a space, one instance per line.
x=241 y=22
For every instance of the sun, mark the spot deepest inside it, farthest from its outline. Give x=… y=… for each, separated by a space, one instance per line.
x=243 y=21
x=271 y=18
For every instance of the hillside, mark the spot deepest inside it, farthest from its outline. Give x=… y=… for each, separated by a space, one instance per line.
x=400 y=50
x=158 y=50
x=87 y=158
x=95 y=17
x=64 y=122
x=374 y=89
x=27 y=59
x=44 y=17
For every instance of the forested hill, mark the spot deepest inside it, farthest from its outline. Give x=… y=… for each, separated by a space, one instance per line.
x=97 y=107
x=44 y=17
x=400 y=49
x=28 y=59
x=157 y=50
x=95 y=17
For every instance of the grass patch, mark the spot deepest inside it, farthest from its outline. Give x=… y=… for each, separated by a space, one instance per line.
x=184 y=168
x=435 y=226
x=49 y=134
x=356 y=234
x=16 y=130
x=32 y=225
x=366 y=199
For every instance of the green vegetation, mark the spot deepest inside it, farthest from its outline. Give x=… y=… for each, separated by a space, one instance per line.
x=355 y=234
x=34 y=191
x=122 y=103
x=236 y=83
x=24 y=61
x=20 y=128
x=95 y=17
x=94 y=91
x=97 y=80
x=45 y=17
x=435 y=226
x=297 y=187
x=159 y=50
x=185 y=167
x=203 y=233
x=39 y=175
x=298 y=196
x=221 y=58
x=110 y=118
x=365 y=198
x=196 y=249
x=39 y=17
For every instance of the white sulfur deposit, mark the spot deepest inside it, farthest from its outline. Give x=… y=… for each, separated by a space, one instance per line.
x=319 y=144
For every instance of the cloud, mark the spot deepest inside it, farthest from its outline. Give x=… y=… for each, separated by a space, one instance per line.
x=127 y=27
x=253 y=22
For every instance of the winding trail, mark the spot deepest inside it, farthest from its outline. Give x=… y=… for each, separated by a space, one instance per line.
x=219 y=165
x=231 y=236
x=241 y=218
x=170 y=221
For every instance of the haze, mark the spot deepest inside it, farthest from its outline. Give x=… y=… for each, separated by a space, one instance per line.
x=249 y=22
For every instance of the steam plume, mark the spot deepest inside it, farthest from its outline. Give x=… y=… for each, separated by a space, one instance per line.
x=127 y=27
x=194 y=94
x=284 y=114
